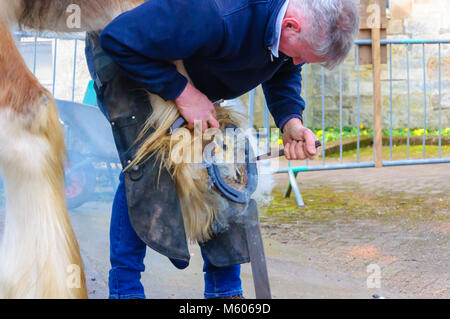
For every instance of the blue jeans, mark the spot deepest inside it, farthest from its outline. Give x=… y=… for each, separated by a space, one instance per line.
x=127 y=252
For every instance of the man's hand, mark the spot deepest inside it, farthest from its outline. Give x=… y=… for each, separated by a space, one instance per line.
x=195 y=106
x=299 y=141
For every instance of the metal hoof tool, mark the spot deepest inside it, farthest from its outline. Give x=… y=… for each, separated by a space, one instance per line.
x=257 y=256
x=278 y=154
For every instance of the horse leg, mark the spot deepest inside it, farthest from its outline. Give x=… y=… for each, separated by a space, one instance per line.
x=39 y=254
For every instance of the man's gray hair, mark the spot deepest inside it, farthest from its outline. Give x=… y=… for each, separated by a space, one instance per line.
x=334 y=25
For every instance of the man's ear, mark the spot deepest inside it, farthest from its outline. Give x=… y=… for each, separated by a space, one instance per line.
x=292 y=24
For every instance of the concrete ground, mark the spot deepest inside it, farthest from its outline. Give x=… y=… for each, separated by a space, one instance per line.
x=392 y=220
x=396 y=218
x=289 y=277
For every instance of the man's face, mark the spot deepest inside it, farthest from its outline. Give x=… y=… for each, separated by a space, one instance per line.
x=294 y=45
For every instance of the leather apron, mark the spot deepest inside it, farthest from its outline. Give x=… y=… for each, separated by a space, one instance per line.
x=154 y=208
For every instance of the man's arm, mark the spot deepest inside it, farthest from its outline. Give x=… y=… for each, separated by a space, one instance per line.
x=283 y=98
x=145 y=41
x=282 y=94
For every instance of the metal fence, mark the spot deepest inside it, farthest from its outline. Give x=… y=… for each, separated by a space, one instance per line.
x=19 y=36
x=390 y=162
x=292 y=169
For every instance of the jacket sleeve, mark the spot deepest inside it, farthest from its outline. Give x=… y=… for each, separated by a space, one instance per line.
x=282 y=94
x=145 y=41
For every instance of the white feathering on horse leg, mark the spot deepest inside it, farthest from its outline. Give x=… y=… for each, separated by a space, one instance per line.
x=38 y=252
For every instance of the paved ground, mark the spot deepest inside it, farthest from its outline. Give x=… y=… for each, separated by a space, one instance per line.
x=289 y=278
x=395 y=218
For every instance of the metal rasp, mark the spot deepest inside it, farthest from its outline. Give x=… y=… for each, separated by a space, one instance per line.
x=278 y=154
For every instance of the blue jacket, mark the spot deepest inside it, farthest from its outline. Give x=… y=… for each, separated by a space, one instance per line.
x=224 y=44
